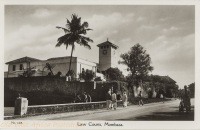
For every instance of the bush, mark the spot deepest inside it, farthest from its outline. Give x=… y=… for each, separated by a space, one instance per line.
x=87 y=75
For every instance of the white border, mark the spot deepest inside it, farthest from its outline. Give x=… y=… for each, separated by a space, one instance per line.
x=127 y=124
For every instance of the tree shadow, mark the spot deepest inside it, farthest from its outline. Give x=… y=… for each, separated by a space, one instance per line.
x=166 y=116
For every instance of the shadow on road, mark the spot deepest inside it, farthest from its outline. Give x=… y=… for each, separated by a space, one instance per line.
x=167 y=116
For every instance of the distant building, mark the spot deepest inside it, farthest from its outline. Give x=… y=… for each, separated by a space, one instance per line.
x=107 y=59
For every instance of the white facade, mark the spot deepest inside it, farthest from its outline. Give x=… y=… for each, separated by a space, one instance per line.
x=107 y=59
x=61 y=65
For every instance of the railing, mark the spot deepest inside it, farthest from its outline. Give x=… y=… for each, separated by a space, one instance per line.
x=69 y=107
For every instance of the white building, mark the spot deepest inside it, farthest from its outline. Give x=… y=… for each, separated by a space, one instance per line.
x=107 y=59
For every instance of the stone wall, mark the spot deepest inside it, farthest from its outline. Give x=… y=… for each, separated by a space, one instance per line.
x=54 y=90
x=59 y=108
x=144 y=87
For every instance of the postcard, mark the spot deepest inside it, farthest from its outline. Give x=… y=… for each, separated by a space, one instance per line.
x=100 y=64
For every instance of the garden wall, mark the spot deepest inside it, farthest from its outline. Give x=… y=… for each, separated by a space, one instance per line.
x=54 y=90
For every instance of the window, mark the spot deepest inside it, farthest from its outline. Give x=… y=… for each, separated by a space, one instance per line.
x=14 y=67
x=21 y=67
x=107 y=46
x=101 y=47
x=104 y=46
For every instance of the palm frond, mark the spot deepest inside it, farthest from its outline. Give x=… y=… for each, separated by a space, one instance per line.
x=88 y=29
x=83 y=41
x=74 y=32
x=64 y=29
x=85 y=25
x=59 y=44
x=86 y=38
x=62 y=39
x=85 y=44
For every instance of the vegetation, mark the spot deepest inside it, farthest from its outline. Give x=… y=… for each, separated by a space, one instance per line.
x=163 y=85
x=49 y=67
x=28 y=72
x=192 y=89
x=74 y=32
x=87 y=75
x=114 y=74
x=138 y=64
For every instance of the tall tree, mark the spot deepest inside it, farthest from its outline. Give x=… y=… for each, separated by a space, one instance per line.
x=137 y=62
x=74 y=32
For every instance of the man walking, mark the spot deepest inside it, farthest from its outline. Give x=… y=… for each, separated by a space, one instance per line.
x=108 y=100
x=114 y=100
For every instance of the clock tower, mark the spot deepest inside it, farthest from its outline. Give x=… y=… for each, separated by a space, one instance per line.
x=107 y=55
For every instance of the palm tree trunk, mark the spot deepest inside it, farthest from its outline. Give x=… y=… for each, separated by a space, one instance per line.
x=51 y=71
x=71 y=57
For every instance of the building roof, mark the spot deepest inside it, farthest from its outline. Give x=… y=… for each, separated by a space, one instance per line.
x=64 y=57
x=23 y=59
x=29 y=59
x=108 y=43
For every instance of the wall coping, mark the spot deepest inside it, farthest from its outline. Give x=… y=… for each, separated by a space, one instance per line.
x=67 y=104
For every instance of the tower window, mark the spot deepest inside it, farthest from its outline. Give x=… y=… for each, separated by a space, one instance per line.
x=107 y=46
x=101 y=47
x=14 y=67
x=104 y=46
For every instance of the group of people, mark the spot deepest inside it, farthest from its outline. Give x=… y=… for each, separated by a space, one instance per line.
x=112 y=97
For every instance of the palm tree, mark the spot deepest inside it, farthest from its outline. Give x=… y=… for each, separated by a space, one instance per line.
x=49 y=67
x=74 y=32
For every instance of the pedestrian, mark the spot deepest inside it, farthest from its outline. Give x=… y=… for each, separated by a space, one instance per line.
x=186 y=98
x=114 y=100
x=85 y=98
x=162 y=97
x=89 y=97
x=140 y=98
x=124 y=99
x=78 y=98
x=119 y=96
x=108 y=100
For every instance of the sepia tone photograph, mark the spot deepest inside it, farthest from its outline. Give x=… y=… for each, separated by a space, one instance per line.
x=99 y=62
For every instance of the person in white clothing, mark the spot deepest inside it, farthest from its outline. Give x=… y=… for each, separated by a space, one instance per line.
x=114 y=100
x=124 y=99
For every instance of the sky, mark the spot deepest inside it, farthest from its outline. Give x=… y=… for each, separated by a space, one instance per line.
x=167 y=32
